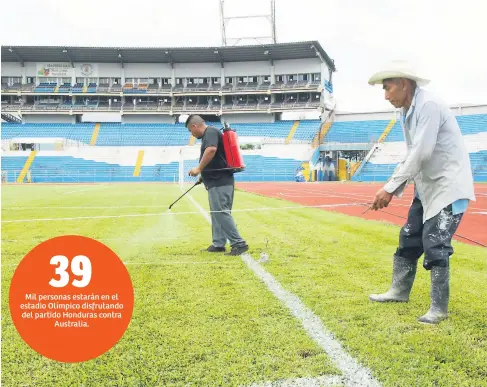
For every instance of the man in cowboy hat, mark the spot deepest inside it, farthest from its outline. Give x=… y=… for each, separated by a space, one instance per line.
x=438 y=163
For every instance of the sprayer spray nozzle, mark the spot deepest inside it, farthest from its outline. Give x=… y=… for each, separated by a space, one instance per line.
x=264 y=258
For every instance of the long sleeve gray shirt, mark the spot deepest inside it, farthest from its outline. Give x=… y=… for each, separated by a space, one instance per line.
x=437 y=159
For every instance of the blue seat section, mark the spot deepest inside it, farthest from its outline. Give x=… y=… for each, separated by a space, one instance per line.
x=356 y=131
x=78 y=88
x=473 y=124
x=479 y=166
x=46 y=87
x=66 y=169
x=381 y=172
x=395 y=134
x=162 y=172
x=366 y=131
x=91 y=88
x=116 y=134
x=64 y=88
x=307 y=129
x=13 y=166
x=279 y=129
x=260 y=168
x=375 y=172
x=79 y=132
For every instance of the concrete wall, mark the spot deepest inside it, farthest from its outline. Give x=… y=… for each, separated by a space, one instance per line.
x=365 y=116
x=390 y=114
x=30 y=69
x=247 y=118
x=48 y=118
x=298 y=152
x=241 y=69
x=296 y=66
x=104 y=70
x=190 y=70
x=11 y=69
x=481 y=109
x=181 y=70
x=148 y=70
x=147 y=119
x=101 y=117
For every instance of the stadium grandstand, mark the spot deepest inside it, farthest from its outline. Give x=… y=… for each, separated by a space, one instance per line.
x=79 y=114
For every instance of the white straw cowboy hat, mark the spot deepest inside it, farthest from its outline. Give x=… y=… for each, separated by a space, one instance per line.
x=398 y=69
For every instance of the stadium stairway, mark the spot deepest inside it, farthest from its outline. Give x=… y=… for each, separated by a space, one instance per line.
x=387 y=130
x=26 y=166
x=94 y=136
x=320 y=136
x=138 y=163
x=292 y=132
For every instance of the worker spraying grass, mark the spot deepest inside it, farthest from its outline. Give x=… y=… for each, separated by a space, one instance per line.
x=219 y=160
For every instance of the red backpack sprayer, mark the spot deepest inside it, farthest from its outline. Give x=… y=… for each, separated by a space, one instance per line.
x=232 y=149
x=233 y=156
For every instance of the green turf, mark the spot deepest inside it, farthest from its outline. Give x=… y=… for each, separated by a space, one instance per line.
x=214 y=323
x=199 y=319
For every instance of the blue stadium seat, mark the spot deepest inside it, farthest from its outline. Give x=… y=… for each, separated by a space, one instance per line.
x=370 y=131
x=13 y=166
x=79 y=132
x=307 y=129
x=356 y=131
x=116 y=134
x=382 y=172
x=64 y=169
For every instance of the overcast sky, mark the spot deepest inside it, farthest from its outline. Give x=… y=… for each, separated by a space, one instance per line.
x=447 y=38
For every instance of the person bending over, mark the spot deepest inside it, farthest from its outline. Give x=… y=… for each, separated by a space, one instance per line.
x=438 y=162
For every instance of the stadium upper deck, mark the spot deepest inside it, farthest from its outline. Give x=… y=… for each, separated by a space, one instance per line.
x=73 y=80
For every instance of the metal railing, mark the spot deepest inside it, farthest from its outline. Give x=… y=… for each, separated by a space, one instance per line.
x=158 y=108
x=201 y=88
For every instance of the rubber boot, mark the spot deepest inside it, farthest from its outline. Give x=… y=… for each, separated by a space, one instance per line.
x=403 y=274
x=440 y=294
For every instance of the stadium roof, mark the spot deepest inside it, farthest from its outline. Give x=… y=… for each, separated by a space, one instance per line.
x=300 y=50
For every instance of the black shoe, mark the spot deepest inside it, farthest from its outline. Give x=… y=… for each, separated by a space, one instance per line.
x=214 y=249
x=238 y=250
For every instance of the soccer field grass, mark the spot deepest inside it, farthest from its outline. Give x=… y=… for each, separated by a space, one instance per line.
x=206 y=319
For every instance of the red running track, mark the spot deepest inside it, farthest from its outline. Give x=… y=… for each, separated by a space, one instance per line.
x=473 y=225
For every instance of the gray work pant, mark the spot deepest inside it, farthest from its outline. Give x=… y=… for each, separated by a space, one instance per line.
x=222 y=224
x=433 y=238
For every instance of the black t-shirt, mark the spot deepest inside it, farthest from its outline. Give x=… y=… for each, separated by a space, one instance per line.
x=211 y=177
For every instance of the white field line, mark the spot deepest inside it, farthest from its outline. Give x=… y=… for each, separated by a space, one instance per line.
x=328 y=196
x=83 y=207
x=355 y=375
x=320 y=381
x=167 y=263
x=297 y=207
x=354 y=196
